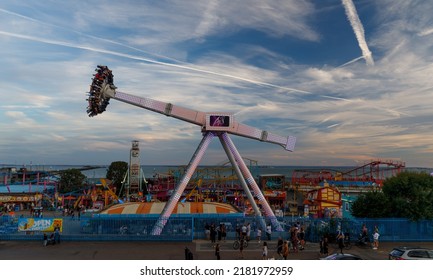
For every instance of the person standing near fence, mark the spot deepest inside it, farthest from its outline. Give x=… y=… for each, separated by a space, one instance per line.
x=57 y=235
x=213 y=233
x=45 y=241
x=268 y=231
x=259 y=234
x=376 y=239
x=248 y=231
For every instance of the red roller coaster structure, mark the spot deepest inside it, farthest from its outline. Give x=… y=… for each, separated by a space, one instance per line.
x=372 y=173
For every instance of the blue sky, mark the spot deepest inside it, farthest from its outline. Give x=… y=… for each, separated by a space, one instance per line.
x=353 y=81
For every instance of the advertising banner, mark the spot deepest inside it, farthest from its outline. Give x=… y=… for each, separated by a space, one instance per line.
x=39 y=224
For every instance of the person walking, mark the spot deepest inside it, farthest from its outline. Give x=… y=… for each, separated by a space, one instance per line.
x=248 y=231
x=324 y=245
x=188 y=254
x=265 y=251
x=244 y=231
x=285 y=250
x=217 y=251
x=223 y=232
x=241 y=248
x=340 y=240
x=219 y=233
x=280 y=247
x=207 y=231
x=213 y=233
x=302 y=239
x=294 y=238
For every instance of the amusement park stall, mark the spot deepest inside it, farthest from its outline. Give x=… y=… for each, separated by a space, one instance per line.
x=323 y=203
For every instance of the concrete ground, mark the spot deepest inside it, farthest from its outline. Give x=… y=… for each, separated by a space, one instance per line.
x=202 y=250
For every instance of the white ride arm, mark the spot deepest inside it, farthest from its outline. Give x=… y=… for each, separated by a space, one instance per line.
x=102 y=89
x=199 y=118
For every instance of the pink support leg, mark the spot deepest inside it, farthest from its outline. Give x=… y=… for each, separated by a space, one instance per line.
x=247 y=175
x=174 y=198
x=244 y=185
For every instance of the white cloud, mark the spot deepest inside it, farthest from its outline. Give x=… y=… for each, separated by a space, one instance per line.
x=340 y=114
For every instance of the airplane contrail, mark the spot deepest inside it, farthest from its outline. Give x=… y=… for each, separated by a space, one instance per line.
x=88 y=35
x=333 y=125
x=130 y=56
x=350 y=62
x=337 y=98
x=357 y=27
x=65 y=44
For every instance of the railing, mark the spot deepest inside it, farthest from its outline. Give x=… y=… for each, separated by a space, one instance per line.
x=188 y=228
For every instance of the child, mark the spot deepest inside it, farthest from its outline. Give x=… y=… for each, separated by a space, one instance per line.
x=376 y=240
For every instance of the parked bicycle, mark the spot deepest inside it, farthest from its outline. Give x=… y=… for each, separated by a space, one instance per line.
x=237 y=243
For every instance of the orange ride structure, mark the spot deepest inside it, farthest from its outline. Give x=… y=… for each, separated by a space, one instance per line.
x=212 y=124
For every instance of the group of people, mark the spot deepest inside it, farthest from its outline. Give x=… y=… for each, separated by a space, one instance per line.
x=342 y=238
x=213 y=232
x=53 y=239
x=97 y=102
x=364 y=238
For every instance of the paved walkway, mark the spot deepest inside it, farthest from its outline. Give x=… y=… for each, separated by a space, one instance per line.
x=202 y=250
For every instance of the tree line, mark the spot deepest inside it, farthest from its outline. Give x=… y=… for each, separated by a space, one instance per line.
x=407 y=195
x=72 y=180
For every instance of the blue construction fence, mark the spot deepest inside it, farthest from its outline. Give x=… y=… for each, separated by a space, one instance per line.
x=188 y=228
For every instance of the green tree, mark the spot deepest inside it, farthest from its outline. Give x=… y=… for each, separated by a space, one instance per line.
x=116 y=173
x=406 y=195
x=372 y=204
x=410 y=195
x=71 y=180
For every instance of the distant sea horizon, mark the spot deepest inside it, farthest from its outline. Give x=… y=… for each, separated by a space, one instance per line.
x=150 y=171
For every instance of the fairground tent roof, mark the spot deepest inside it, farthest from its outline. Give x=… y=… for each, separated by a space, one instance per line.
x=182 y=208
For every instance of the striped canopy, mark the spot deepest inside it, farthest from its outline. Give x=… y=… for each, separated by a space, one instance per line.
x=182 y=208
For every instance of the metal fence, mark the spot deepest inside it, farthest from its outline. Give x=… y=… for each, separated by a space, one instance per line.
x=188 y=228
x=390 y=229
